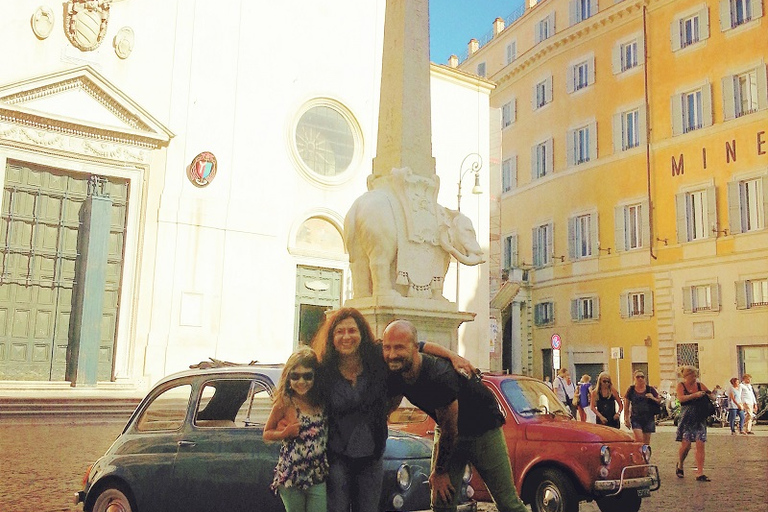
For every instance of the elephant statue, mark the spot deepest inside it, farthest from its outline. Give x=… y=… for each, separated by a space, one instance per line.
x=386 y=260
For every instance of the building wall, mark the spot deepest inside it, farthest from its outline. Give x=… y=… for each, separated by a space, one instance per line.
x=650 y=175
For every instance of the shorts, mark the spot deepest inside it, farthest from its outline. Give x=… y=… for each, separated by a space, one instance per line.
x=647 y=425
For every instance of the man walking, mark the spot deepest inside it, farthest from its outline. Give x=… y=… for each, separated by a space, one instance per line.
x=468 y=419
x=749 y=401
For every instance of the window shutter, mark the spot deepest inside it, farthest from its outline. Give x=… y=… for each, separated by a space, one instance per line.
x=624 y=305
x=741 y=295
x=711 y=211
x=569 y=74
x=537 y=314
x=593 y=140
x=714 y=292
x=534 y=163
x=535 y=248
x=548 y=90
x=646 y=220
x=734 y=207
x=515 y=259
x=551 y=23
x=592 y=7
x=619 y=229
x=575 y=310
x=642 y=125
x=687 y=299
x=572 y=253
x=757 y=9
x=593 y=235
x=534 y=103
x=682 y=218
x=595 y=307
x=570 y=150
x=591 y=70
x=513 y=172
x=762 y=87
x=618 y=133
x=764 y=179
x=706 y=104
x=550 y=156
x=573 y=12
x=616 y=59
x=674 y=36
x=729 y=98
x=550 y=242
x=725 y=15
x=513 y=109
x=703 y=23
x=676 y=108
x=648 y=299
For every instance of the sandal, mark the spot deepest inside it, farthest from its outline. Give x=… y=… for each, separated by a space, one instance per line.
x=679 y=471
x=703 y=478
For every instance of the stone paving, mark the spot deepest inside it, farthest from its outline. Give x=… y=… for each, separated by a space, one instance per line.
x=43 y=462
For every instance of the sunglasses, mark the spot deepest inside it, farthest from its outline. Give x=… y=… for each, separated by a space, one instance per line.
x=606 y=381
x=639 y=376
x=307 y=376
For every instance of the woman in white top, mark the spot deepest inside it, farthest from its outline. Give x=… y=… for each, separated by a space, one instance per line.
x=735 y=406
x=749 y=402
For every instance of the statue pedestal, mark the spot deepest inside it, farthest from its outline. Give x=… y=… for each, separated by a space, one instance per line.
x=436 y=321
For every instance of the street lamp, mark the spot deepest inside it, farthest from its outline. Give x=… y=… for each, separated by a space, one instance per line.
x=476 y=165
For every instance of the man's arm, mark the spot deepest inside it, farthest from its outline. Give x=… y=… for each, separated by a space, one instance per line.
x=448 y=420
x=460 y=364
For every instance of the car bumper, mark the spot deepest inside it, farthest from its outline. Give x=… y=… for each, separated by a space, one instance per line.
x=613 y=487
x=78 y=497
x=469 y=506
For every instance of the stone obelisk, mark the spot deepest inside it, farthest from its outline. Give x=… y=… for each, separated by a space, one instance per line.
x=400 y=241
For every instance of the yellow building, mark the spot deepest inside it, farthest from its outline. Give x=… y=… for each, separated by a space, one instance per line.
x=631 y=186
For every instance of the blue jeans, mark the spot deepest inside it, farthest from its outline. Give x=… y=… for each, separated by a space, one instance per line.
x=488 y=453
x=354 y=485
x=732 y=419
x=298 y=500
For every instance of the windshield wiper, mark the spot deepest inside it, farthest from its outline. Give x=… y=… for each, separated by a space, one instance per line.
x=540 y=410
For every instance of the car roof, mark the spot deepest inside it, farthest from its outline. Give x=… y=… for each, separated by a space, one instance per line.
x=271 y=370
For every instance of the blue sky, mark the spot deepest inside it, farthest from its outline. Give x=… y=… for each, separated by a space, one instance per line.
x=452 y=23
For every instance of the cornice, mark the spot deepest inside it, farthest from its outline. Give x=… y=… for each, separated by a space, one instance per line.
x=461 y=77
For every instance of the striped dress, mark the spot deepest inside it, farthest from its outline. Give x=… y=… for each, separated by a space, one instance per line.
x=303 y=462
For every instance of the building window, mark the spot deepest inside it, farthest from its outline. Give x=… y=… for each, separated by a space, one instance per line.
x=580 y=74
x=545 y=28
x=585 y=308
x=751 y=293
x=509 y=174
x=696 y=214
x=744 y=93
x=734 y=13
x=544 y=313
x=542 y=93
x=580 y=10
x=511 y=52
x=481 y=69
x=747 y=204
x=636 y=304
x=701 y=298
x=692 y=110
x=508 y=114
x=625 y=54
x=632 y=226
x=581 y=142
x=688 y=354
x=542 y=245
x=630 y=136
x=628 y=55
x=326 y=138
x=541 y=159
x=690 y=27
x=510 y=254
x=582 y=236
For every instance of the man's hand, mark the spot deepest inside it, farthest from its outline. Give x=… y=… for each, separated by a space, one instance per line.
x=442 y=489
x=463 y=366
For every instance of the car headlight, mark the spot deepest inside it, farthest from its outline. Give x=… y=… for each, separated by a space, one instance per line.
x=404 y=477
x=605 y=455
x=467 y=476
x=646 y=451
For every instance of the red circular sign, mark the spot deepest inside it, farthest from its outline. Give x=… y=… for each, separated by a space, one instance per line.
x=556 y=341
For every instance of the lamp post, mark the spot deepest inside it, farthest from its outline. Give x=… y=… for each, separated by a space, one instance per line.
x=476 y=163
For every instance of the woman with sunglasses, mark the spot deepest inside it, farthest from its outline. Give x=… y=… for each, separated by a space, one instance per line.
x=638 y=407
x=604 y=401
x=299 y=422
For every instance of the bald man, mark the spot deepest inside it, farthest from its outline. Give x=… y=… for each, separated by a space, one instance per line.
x=468 y=418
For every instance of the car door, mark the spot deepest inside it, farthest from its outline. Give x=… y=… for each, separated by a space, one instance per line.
x=222 y=462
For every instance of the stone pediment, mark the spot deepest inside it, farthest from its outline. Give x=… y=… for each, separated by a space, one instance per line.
x=80 y=102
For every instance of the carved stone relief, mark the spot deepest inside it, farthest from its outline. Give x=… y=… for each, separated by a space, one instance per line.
x=123 y=42
x=42 y=22
x=86 y=23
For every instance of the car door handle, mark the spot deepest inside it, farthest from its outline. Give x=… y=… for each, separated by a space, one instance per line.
x=186 y=444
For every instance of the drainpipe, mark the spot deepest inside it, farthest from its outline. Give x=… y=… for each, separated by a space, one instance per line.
x=647 y=132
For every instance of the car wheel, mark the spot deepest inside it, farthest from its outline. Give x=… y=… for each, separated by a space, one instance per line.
x=553 y=491
x=113 y=499
x=625 y=501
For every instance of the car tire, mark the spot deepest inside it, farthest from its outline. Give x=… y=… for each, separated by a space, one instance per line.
x=552 y=491
x=625 y=501
x=114 y=498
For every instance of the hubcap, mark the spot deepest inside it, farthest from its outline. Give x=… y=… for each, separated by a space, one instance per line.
x=550 y=499
x=115 y=506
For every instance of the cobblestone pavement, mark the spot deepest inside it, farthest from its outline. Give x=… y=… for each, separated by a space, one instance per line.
x=43 y=463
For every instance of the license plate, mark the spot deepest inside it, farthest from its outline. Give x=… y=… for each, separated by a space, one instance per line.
x=644 y=492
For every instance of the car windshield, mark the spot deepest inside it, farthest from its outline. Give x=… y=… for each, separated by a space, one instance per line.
x=531 y=397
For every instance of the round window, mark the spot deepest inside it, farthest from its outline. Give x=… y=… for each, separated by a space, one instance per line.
x=326 y=140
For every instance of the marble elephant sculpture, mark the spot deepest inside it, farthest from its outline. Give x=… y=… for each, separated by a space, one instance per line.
x=374 y=234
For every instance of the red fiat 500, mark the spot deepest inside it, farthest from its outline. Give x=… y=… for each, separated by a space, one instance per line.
x=557 y=461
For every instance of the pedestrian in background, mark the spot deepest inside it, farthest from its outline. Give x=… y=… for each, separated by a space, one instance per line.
x=641 y=403
x=735 y=406
x=604 y=402
x=299 y=422
x=565 y=389
x=749 y=401
x=548 y=381
x=692 y=427
x=583 y=396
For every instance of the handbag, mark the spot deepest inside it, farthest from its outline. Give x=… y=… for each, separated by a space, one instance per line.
x=703 y=407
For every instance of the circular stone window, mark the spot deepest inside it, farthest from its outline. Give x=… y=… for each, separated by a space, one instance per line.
x=326 y=141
